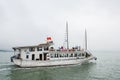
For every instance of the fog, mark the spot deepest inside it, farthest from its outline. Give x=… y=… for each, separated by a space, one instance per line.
x=29 y=22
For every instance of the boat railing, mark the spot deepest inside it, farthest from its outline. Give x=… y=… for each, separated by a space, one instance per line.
x=66 y=51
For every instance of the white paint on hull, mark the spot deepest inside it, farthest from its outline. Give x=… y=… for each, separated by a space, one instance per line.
x=32 y=63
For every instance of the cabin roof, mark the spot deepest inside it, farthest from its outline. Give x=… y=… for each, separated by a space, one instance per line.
x=40 y=45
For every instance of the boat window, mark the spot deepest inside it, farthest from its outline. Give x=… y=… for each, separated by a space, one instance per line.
x=27 y=56
x=71 y=55
x=82 y=54
x=46 y=48
x=63 y=55
x=57 y=55
x=51 y=56
x=32 y=49
x=39 y=48
x=75 y=55
x=40 y=56
x=79 y=54
x=51 y=49
x=67 y=55
x=33 y=56
x=18 y=56
x=60 y=55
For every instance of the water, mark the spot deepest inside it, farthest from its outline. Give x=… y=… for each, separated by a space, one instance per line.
x=107 y=67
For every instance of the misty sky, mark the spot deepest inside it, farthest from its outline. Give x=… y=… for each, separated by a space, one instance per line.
x=29 y=22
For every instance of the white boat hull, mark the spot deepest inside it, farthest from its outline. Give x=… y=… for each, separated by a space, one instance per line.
x=31 y=63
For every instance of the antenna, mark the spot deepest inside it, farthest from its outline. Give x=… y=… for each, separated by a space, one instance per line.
x=67 y=35
x=85 y=39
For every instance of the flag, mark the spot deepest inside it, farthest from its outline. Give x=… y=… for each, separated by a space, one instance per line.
x=49 y=38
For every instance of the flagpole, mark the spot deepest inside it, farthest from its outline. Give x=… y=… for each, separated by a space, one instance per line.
x=85 y=39
x=67 y=35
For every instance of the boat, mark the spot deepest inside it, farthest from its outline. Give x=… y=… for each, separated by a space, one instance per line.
x=45 y=54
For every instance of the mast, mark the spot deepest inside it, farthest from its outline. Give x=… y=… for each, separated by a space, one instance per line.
x=67 y=35
x=85 y=39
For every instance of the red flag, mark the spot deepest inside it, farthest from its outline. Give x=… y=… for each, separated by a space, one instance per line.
x=48 y=38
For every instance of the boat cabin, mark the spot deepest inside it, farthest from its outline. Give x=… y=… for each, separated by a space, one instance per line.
x=45 y=51
x=38 y=52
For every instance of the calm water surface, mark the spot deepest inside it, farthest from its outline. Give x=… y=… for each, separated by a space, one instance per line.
x=107 y=67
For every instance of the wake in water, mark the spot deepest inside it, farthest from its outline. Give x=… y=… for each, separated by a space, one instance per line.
x=8 y=66
x=4 y=69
